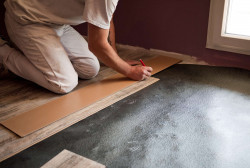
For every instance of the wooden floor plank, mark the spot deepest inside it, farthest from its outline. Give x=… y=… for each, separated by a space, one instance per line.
x=66 y=159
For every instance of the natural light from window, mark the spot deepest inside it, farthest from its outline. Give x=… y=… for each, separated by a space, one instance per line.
x=238 y=18
x=229 y=26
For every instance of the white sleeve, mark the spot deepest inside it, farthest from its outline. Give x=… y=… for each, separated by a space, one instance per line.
x=99 y=12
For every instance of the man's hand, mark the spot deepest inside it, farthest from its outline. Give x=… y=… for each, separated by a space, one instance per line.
x=140 y=72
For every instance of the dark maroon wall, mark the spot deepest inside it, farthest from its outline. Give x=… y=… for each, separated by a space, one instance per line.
x=172 y=25
x=2 y=26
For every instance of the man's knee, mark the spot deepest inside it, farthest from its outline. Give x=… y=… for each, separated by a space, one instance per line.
x=65 y=85
x=92 y=72
x=88 y=70
x=69 y=86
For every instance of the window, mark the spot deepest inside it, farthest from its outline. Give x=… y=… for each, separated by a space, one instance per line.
x=229 y=26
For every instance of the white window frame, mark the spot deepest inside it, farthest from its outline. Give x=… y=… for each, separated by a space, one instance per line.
x=217 y=38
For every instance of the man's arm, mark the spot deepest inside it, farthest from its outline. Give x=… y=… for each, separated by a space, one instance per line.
x=111 y=36
x=98 y=44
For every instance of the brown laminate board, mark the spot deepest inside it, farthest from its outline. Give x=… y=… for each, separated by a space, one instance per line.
x=46 y=114
x=33 y=120
x=66 y=159
x=160 y=63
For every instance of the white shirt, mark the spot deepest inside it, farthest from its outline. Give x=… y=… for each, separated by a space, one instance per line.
x=59 y=12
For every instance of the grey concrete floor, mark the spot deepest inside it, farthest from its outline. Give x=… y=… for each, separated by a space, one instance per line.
x=194 y=117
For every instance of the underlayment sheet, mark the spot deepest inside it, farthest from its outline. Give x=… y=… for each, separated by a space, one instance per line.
x=72 y=160
x=44 y=115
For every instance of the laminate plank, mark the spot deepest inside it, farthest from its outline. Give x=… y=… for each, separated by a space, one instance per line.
x=66 y=159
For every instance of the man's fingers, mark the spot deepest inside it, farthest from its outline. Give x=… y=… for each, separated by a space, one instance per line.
x=146 y=73
x=149 y=69
x=145 y=77
x=141 y=72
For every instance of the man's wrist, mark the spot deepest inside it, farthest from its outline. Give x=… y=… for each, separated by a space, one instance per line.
x=129 y=71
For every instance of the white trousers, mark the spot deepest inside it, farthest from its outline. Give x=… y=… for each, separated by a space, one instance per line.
x=52 y=57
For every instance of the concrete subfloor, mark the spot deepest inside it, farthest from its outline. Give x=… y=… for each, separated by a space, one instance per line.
x=195 y=116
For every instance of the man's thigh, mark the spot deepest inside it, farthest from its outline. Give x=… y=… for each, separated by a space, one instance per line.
x=41 y=45
x=84 y=61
